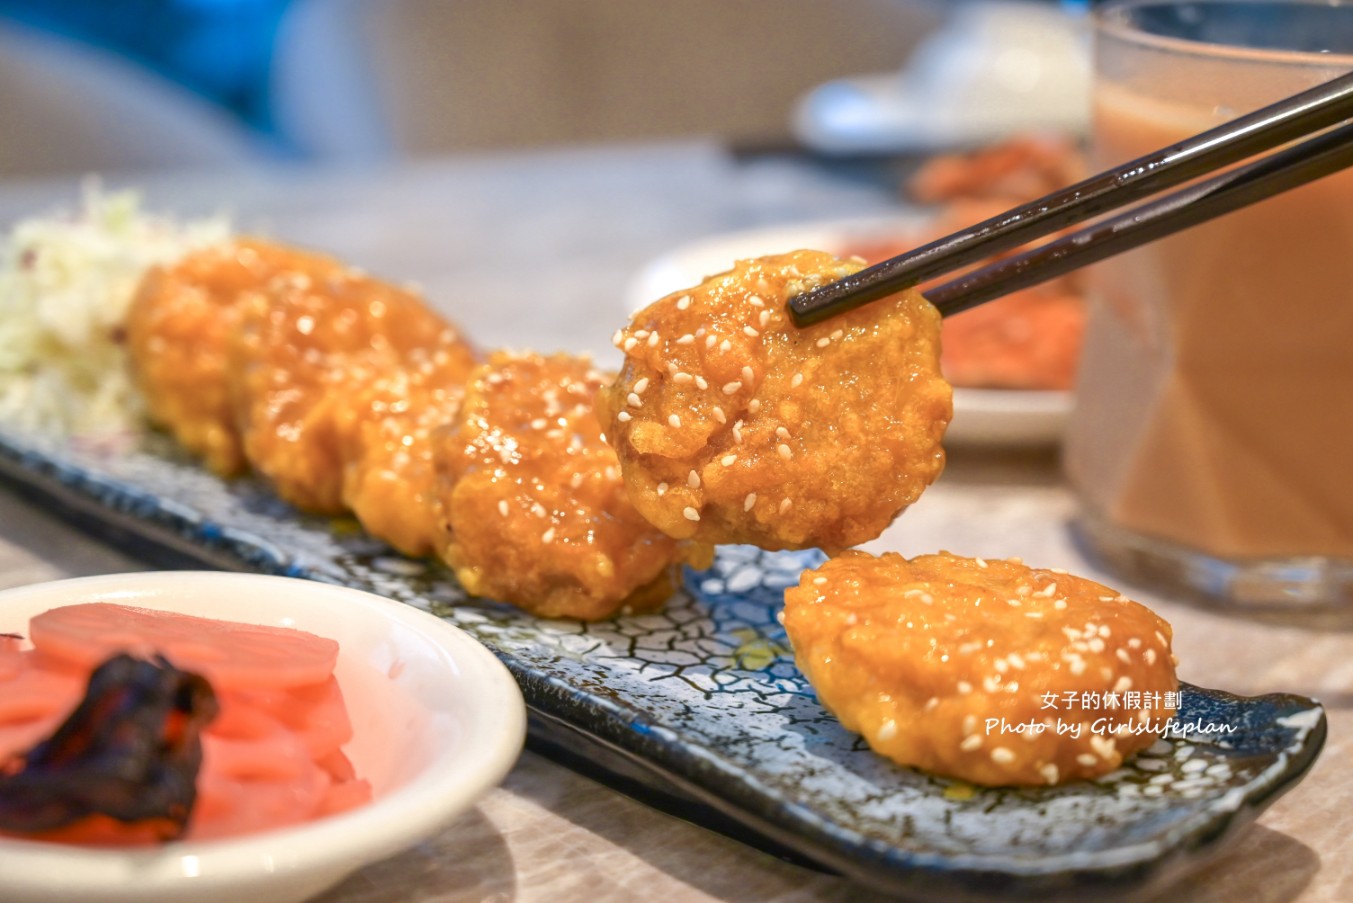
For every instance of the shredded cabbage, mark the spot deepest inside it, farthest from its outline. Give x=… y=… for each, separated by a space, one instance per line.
x=66 y=281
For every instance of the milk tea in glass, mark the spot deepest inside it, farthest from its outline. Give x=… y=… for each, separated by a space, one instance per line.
x=1212 y=443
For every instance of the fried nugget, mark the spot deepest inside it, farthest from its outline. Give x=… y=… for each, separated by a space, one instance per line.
x=732 y=425
x=385 y=423
x=988 y=671
x=293 y=361
x=533 y=500
x=179 y=328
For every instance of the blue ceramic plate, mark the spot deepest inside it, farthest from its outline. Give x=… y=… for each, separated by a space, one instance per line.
x=702 y=705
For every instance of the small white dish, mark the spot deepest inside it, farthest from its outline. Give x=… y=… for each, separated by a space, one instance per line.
x=437 y=722
x=994 y=417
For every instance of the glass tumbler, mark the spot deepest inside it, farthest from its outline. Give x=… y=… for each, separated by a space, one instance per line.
x=1212 y=442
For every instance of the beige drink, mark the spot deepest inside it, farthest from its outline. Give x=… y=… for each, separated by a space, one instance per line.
x=1215 y=405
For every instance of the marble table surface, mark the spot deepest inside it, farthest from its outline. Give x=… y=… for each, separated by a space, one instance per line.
x=535 y=250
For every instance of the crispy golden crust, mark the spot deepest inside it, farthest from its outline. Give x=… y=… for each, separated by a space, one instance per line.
x=733 y=426
x=292 y=364
x=385 y=423
x=533 y=501
x=937 y=661
x=178 y=334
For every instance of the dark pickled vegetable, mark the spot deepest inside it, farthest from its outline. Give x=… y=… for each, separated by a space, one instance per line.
x=131 y=751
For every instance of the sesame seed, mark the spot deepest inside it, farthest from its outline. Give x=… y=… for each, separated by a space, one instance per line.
x=887 y=730
x=784 y=451
x=737 y=432
x=624 y=417
x=548 y=536
x=819 y=581
x=641 y=333
x=674 y=421
x=538 y=509
x=683 y=302
x=1123 y=684
x=635 y=400
x=751 y=331
x=754 y=405
x=690 y=514
x=641 y=386
x=539 y=423
x=630 y=343
x=576 y=480
x=1103 y=746
x=1077 y=666
x=1123 y=656
x=823 y=342
x=653 y=340
x=796 y=381
x=731 y=388
x=700 y=383
x=1149 y=656
x=727 y=460
x=1002 y=756
x=1059 y=604
x=749 y=501
x=710 y=340
x=687 y=339
x=971 y=742
x=725 y=346
x=755 y=300
x=1050 y=590
x=719 y=414
x=836 y=335
x=785 y=506
x=748 y=375
x=1049 y=773
x=618 y=337
x=963 y=687
x=662 y=489
x=693 y=480
x=1087 y=760
x=981 y=563
x=682 y=378
x=502 y=507
x=1058 y=571
x=969 y=725
x=932 y=703
x=782 y=432
x=764 y=318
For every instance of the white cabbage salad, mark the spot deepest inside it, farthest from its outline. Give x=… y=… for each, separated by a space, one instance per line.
x=66 y=281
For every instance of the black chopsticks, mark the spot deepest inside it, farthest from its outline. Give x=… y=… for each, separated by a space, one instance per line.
x=1301 y=115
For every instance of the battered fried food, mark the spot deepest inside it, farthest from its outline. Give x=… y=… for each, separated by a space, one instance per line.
x=178 y=334
x=533 y=500
x=292 y=364
x=939 y=660
x=733 y=426
x=385 y=423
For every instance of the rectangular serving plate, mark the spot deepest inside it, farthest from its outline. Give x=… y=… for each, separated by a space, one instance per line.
x=701 y=711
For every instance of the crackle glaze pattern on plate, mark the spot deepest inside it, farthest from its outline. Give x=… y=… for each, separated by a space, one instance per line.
x=706 y=694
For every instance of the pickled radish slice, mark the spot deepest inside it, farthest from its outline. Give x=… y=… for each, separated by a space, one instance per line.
x=316 y=713
x=272 y=756
x=228 y=654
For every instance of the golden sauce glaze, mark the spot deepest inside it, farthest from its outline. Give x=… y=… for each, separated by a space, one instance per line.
x=179 y=328
x=987 y=671
x=733 y=426
x=292 y=360
x=533 y=501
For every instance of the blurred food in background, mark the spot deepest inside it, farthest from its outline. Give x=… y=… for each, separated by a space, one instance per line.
x=1032 y=338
